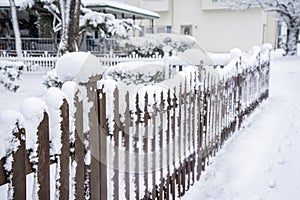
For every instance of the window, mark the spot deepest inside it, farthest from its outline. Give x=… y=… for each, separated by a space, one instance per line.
x=187 y=29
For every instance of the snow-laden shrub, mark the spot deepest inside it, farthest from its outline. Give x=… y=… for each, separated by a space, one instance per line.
x=10 y=73
x=51 y=80
x=136 y=72
x=107 y=24
x=152 y=44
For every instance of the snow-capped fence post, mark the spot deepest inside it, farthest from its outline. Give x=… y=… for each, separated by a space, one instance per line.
x=174 y=136
x=116 y=162
x=154 y=148
x=161 y=147
x=179 y=127
x=199 y=133
x=136 y=148
x=85 y=69
x=79 y=150
x=19 y=167
x=65 y=152
x=127 y=147
x=102 y=145
x=43 y=158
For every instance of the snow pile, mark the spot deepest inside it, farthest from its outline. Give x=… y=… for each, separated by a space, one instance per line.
x=10 y=72
x=54 y=100
x=33 y=109
x=137 y=72
x=51 y=79
x=10 y=122
x=78 y=67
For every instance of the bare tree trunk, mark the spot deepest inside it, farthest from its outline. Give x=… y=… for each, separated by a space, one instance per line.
x=16 y=28
x=70 y=11
x=292 y=41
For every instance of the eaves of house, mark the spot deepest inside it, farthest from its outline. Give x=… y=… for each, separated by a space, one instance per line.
x=107 y=5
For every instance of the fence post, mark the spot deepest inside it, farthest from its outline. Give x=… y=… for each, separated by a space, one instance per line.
x=44 y=159
x=97 y=189
x=136 y=148
x=103 y=132
x=179 y=122
x=174 y=136
x=79 y=151
x=154 y=148
x=127 y=144
x=18 y=168
x=65 y=152
x=117 y=130
x=161 y=127
x=145 y=147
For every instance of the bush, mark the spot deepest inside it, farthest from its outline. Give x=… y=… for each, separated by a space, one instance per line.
x=51 y=80
x=158 y=44
x=10 y=73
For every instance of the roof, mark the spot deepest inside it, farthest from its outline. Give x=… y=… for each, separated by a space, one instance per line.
x=120 y=7
x=108 y=5
x=5 y=3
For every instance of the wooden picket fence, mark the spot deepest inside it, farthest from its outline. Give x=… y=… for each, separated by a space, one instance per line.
x=34 y=63
x=113 y=59
x=154 y=151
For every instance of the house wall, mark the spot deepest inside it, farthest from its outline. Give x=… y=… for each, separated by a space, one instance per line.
x=217 y=29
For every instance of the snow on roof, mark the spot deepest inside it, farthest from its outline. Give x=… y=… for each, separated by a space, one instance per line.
x=118 y=6
x=107 y=4
x=5 y=3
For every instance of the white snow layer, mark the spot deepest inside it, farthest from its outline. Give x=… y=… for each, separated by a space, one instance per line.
x=78 y=67
x=33 y=109
x=8 y=119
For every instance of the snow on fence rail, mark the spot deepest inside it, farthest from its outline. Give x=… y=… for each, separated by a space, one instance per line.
x=45 y=62
x=41 y=63
x=146 y=146
x=112 y=59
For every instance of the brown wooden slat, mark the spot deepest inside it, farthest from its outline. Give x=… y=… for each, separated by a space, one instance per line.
x=3 y=179
x=136 y=148
x=65 y=153
x=161 y=122
x=18 y=168
x=167 y=188
x=94 y=142
x=43 y=159
x=145 y=148
x=174 y=136
x=179 y=175
x=103 y=147
x=79 y=151
x=154 y=149
x=127 y=147
x=117 y=130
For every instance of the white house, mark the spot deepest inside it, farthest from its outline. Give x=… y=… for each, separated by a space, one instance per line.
x=216 y=28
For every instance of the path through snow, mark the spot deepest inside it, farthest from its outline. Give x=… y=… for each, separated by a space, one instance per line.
x=262 y=161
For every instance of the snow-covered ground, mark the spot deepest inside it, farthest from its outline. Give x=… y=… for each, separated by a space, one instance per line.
x=31 y=84
x=262 y=161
